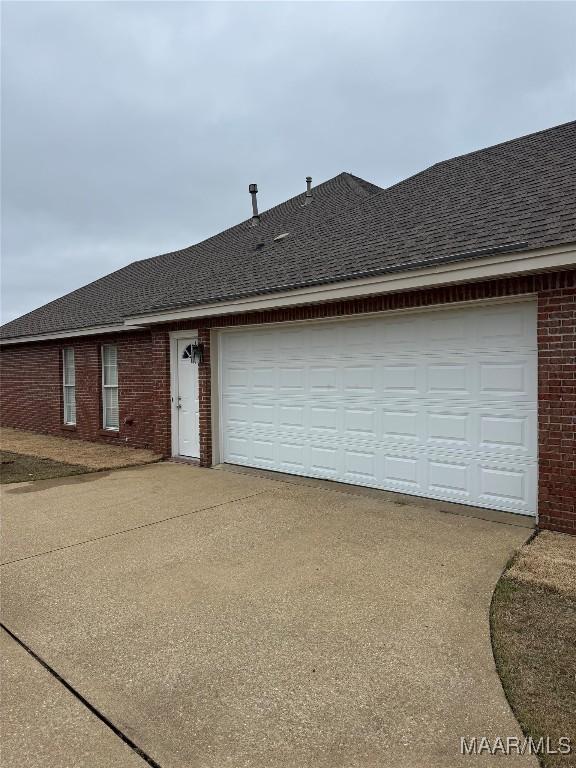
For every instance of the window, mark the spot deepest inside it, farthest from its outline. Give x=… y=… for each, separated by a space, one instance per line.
x=110 y=386
x=69 y=385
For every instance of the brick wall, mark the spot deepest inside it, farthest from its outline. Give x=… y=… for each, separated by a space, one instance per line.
x=557 y=409
x=31 y=389
x=205 y=395
x=161 y=404
x=32 y=398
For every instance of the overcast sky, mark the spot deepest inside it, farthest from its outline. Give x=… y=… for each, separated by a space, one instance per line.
x=132 y=129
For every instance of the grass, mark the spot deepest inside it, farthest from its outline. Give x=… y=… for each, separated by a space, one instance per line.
x=533 y=623
x=20 y=468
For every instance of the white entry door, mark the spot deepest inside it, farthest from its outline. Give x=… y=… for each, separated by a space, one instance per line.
x=432 y=403
x=186 y=400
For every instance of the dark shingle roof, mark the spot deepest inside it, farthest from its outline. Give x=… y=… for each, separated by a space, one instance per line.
x=521 y=191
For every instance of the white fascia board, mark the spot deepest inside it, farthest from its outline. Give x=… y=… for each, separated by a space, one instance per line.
x=486 y=268
x=541 y=260
x=94 y=331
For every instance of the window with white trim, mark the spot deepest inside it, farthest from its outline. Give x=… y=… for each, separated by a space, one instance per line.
x=110 y=418
x=69 y=385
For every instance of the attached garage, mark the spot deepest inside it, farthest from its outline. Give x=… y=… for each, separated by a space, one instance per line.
x=440 y=403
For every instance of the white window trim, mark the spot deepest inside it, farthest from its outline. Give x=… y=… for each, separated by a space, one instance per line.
x=109 y=386
x=66 y=386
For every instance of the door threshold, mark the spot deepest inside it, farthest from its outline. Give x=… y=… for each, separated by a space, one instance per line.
x=185 y=460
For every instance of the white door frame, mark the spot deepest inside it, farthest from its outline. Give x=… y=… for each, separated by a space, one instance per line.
x=174 y=336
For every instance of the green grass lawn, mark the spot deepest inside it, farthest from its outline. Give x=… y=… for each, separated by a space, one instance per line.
x=20 y=468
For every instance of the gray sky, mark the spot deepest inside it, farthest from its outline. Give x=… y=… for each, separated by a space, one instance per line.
x=132 y=129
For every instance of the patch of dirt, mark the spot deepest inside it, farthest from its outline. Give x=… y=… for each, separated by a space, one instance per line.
x=19 y=468
x=533 y=621
x=548 y=561
x=72 y=451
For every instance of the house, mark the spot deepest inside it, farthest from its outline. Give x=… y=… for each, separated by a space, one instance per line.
x=419 y=339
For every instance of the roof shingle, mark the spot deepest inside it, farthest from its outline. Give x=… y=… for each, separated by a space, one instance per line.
x=521 y=191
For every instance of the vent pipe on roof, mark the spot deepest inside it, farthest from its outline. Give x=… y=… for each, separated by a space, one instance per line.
x=253 y=189
x=308 y=195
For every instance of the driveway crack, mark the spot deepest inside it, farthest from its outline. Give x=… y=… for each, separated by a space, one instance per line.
x=100 y=715
x=128 y=530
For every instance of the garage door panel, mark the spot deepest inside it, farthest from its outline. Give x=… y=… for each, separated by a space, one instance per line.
x=399 y=378
x=453 y=378
x=292 y=343
x=264 y=379
x=291 y=457
x=325 y=460
x=507 y=485
x=324 y=419
x=360 y=467
x=401 y=469
x=452 y=479
x=505 y=379
x=424 y=405
x=237 y=347
x=451 y=429
x=292 y=379
x=400 y=425
x=236 y=379
x=263 y=415
x=323 y=379
x=360 y=422
x=508 y=432
x=291 y=417
x=263 y=347
x=237 y=448
x=359 y=379
x=509 y=327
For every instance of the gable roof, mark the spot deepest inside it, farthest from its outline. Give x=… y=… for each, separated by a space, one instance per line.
x=518 y=195
x=195 y=271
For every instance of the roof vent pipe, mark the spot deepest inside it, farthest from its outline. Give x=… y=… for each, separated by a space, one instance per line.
x=253 y=189
x=308 y=189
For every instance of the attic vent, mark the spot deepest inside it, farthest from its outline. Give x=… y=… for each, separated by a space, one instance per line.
x=283 y=236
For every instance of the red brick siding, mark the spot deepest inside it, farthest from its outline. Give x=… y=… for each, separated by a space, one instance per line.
x=32 y=396
x=31 y=388
x=205 y=395
x=161 y=404
x=557 y=409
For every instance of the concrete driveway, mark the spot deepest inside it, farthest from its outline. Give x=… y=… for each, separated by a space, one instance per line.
x=221 y=619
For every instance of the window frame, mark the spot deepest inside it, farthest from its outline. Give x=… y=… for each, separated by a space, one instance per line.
x=66 y=386
x=105 y=387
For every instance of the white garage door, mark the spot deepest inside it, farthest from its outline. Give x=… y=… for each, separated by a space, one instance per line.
x=438 y=403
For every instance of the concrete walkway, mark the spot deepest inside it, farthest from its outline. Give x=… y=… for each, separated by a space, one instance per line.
x=219 y=619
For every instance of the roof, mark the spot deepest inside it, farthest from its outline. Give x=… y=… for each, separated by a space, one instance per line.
x=518 y=195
